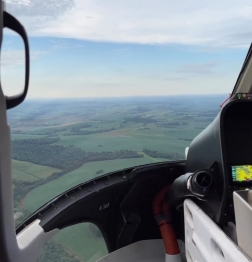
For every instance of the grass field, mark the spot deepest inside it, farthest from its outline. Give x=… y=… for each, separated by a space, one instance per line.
x=79 y=240
x=132 y=140
x=42 y=194
x=26 y=171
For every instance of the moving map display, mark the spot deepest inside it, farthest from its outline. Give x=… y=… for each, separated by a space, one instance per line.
x=242 y=173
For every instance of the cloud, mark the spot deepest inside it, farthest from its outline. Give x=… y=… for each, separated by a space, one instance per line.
x=35 y=14
x=59 y=43
x=33 y=8
x=194 y=71
x=212 y=23
x=16 y=57
x=198 y=69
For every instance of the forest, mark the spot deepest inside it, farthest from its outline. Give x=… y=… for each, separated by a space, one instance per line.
x=156 y=154
x=65 y=158
x=80 y=132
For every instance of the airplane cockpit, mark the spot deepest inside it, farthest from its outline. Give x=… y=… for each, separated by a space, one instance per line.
x=197 y=209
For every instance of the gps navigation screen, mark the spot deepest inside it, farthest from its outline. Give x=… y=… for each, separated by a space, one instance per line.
x=242 y=173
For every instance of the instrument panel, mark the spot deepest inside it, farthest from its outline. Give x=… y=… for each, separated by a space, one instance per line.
x=227 y=142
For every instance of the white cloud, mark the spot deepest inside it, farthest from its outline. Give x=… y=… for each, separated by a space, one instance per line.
x=198 y=69
x=59 y=44
x=50 y=8
x=219 y=23
x=16 y=57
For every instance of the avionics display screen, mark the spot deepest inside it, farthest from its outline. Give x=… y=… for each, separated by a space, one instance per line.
x=242 y=173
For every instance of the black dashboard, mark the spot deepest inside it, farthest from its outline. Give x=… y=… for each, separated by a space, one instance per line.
x=227 y=141
x=237 y=133
x=237 y=129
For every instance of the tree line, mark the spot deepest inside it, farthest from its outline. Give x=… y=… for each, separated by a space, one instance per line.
x=44 y=152
x=168 y=156
x=80 y=132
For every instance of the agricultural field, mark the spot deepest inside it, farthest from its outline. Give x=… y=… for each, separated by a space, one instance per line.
x=93 y=242
x=58 y=144
x=37 y=197
x=26 y=171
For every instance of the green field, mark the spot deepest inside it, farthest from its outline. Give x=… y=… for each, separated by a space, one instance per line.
x=26 y=171
x=79 y=240
x=42 y=194
x=133 y=140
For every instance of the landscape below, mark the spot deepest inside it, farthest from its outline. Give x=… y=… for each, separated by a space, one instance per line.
x=58 y=144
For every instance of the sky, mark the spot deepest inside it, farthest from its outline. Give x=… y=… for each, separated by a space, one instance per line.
x=109 y=48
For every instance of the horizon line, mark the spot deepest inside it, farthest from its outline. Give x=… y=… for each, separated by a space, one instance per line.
x=118 y=97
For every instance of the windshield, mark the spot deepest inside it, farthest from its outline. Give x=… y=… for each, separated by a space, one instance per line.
x=114 y=85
